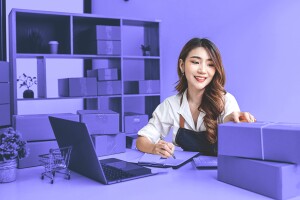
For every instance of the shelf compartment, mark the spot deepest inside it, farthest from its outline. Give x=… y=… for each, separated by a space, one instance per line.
x=137 y=33
x=84 y=30
x=34 y=31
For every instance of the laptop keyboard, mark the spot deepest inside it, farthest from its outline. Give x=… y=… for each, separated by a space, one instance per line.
x=113 y=173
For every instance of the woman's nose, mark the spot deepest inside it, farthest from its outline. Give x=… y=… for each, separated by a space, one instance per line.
x=201 y=68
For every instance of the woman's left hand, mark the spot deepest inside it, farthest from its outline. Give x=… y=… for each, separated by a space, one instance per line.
x=240 y=117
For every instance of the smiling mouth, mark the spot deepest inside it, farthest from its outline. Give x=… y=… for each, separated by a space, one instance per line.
x=200 y=79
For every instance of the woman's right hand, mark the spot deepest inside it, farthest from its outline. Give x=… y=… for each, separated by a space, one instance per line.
x=163 y=148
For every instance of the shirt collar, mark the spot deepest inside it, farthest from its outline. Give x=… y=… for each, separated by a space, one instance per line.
x=185 y=111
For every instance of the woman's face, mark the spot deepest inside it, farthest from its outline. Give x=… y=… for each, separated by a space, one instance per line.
x=199 y=69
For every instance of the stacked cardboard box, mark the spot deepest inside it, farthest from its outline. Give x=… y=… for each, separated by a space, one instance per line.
x=261 y=157
x=103 y=126
x=142 y=87
x=103 y=40
x=77 y=87
x=133 y=122
x=5 y=94
x=37 y=131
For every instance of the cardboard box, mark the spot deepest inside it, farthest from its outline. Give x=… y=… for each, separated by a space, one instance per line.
x=108 y=47
x=149 y=86
x=104 y=74
x=109 y=144
x=131 y=87
x=105 y=32
x=38 y=127
x=100 y=121
x=77 y=87
x=241 y=139
x=281 y=142
x=36 y=149
x=134 y=121
x=5 y=93
x=4 y=114
x=260 y=140
x=131 y=140
x=4 y=71
x=109 y=87
x=272 y=179
x=99 y=103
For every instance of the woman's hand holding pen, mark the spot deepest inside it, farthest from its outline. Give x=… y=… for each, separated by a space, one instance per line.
x=164 y=149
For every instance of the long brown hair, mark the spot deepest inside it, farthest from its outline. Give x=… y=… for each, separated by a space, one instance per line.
x=213 y=97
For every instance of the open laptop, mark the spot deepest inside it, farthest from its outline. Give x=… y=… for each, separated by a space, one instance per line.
x=84 y=159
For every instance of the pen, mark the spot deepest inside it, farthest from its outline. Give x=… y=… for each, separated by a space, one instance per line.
x=172 y=154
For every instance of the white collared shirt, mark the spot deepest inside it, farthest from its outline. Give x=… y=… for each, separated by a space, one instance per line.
x=166 y=116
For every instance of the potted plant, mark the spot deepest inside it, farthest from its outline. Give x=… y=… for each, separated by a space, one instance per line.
x=27 y=81
x=146 y=50
x=12 y=148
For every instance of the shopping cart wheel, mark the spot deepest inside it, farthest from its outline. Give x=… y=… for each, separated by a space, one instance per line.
x=52 y=181
x=68 y=176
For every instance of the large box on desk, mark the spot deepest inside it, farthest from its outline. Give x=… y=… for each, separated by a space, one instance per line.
x=5 y=93
x=109 y=87
x=134 y=121
x=109 y=144
x=104 y=74
x=77 y=87
x=38 y=127
x=272 y=179
x=4 y=114
x=260 y=140
x=100 y=121
x=4 y=71
x=36 y=149
x=149 y=86
x=282 y=142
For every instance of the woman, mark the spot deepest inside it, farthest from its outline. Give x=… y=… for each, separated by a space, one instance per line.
x=201 y=103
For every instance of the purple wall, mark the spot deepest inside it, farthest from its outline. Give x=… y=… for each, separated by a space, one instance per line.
x=258 y=41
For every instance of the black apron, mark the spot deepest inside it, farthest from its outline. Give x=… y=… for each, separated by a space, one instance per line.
x=190 y=140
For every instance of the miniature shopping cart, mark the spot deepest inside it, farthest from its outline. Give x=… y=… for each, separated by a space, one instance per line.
x=57 y=161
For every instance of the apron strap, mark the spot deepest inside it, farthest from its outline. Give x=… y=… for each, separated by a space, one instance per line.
x=181 y=119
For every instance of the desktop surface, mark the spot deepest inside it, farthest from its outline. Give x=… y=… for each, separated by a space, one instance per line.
x=187 y=182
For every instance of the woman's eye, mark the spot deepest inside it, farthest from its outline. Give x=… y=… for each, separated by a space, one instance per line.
x=211 y=64
x=195 y=62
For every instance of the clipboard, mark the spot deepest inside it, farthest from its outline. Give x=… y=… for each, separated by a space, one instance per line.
x=182 y=157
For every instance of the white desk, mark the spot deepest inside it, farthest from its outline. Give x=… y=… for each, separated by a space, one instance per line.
x=185 y=183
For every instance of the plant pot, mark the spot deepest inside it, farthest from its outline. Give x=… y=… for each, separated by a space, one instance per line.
x=28 y=94
x=146 y=53
x=8 y=171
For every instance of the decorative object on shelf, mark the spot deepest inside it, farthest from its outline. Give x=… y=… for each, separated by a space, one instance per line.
x=146 y=50
x=35 y=40
x=12 y=148
x=27 y=81
x=53 y=45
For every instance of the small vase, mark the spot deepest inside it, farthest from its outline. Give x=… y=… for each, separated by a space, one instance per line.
x=146 y=53
x=8 y=171
x=28 y=94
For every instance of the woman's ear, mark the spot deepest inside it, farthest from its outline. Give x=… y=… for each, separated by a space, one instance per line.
x=181 y=65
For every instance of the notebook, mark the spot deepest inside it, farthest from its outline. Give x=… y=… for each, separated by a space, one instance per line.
x=182 y=157
x=202 y=162
x=84 y=160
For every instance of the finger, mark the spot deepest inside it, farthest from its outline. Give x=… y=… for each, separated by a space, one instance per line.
x=235 y=117
x=167 y=148
x=164 y=154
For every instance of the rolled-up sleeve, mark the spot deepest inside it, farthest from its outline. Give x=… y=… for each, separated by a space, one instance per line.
x=160 y=123
x=231 y=105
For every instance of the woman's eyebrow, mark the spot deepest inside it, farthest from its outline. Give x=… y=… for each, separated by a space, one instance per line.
x=198 y=57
